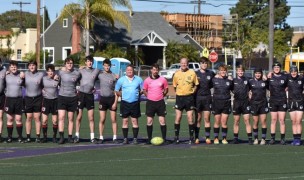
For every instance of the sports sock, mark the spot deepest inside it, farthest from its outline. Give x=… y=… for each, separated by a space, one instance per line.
x=149 y=131
x=114 y=137
x=70 y=136
x=77 y=134
x=10 y=130
x=197 y=130
x=101 y=137
x=191 y=130
x=176 y=129
x=256 y=133
x=28 y=136
x=61 y=134
x=44 y=130
x=282 y=136
x=264 y=132
x=224 y=132
x=125 y=132
x=135 y=132
x=295 y=136
x=216 y=132
x=163 y=130
x=55 y=129
x=249 y=135
x=92 y=135
x=235 y=135
x=19 y=128
x=207 y=132
x=272 y=135
x=38 y=135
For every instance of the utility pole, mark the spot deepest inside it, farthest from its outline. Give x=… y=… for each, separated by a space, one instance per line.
x=38 y=35
x=21 y=17
x=198 y=2
x=271 y=32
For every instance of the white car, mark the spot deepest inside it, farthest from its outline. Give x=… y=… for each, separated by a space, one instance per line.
x=168 y=73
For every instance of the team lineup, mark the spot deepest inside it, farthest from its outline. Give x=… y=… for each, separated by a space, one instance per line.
x=200 y=93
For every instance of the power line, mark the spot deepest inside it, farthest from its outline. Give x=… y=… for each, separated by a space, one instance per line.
x=21 y=4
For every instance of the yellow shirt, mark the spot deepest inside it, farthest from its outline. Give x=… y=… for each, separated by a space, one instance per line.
x=185 y=82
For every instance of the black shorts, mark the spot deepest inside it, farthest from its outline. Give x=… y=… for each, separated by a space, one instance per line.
x=220 y=106
x=130 y=109
x=85 y=101
x=2 y=101
x=13 y=105
x=156 y=107
x=275 y=106
x=49 y=106
x=67 y=103
x=295 y=105
x=203 y=103
x=241 y=107
x=106 y=103
x=258 y=107
x=185 y=102
x=32 y=104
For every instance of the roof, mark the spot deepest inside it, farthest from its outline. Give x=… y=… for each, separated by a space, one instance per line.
x=142 y=24
x=5 y=33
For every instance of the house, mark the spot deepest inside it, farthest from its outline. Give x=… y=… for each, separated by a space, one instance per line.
x=149 y=31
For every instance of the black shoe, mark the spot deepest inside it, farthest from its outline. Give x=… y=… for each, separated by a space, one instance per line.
x=61 y=141
x=20 y=140
x=134 y=141
x=191 y=141
x=125 y=141
x=250 y=141
x=271 y=142
x=9 y=140
x=71 y=140
x=166 y=142
x=100 y=141
x=283 y=142
x=1 y=139
x=93 y=141
x=148 y=142
x=235 y=141
x=44 y=140
x=76 y=139
x=54 y=140
x=27 y=140
x=37 y=140
x=176 y=140
x=115 y=141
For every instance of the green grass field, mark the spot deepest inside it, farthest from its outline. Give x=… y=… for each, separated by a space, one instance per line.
x=183 y=161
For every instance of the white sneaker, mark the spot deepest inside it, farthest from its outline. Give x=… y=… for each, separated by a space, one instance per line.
x=256 y=142
x=263 y=142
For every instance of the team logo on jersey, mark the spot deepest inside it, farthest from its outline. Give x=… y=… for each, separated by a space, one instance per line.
x=176 y=106
x=227 y=83
x=282 y=81
x=55 y=84
x=100 y=106
x=263 y=84
x=301 y=107
x=245 y=82
x=74 y=79
x=19 y=81
x=79 y=103
x=266 y=109
x=208 y=77
x=189 y=78
x=284 y=105
x=43 y=109
x=6 y=109
x=93 y=77
x=299 y=82
x=248 y=108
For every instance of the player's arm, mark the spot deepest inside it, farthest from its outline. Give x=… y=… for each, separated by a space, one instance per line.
x=165 y=92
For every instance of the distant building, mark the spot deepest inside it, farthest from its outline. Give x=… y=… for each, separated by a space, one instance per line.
x=298 y=33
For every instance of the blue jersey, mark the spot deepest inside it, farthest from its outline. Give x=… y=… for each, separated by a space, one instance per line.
x=130 y=89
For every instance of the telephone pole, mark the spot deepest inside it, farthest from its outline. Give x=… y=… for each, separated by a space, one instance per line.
x=21 y=17
x=38 y=35
x=271 y=32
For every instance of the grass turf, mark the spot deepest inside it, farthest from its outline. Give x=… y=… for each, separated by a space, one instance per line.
x=87 y=161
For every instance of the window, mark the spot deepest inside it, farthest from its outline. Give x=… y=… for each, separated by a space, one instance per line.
x=50 y=53
x=19 y=55
x=65 y=23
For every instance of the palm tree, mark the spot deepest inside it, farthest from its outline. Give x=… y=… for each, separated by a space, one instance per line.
x=83 y=12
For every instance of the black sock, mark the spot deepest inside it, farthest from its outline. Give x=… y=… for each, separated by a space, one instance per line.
x=149 y=131
x=249 y=135
x=197 y=130
x=264 y=132
x=70 y=136
x=38 y=135
x=10 y=129
x=272 y=135
x=19 y=128
x=135 y=132
x=163 y=130
x=191 y=130
x=295 y=136
x=235 y=135
x=224 y=132
x=28 y=136
x=282 y=136
x=207 y=132
x=256 y=133
x=55 y=129
x=44 y=130
x=176 y=129
x=125 y=132
x=61 y=134
x=216 y=132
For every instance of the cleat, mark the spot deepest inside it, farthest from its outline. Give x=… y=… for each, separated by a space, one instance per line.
x=224 y=141
x=115 y=141
x=197 y=141
x=20 y=140
x=94 y=141
x=37 y=140
x=255 y=142
x=208 y=141
x=76 y=139
x=166 y=142
x=61 y=141
x=263 y=142
x=44 y=140
x=9 y=140
x=70 y=140
x=148 y=142
x=28 y=140
x=271 y=142
x=283 y=142
x=176 y=140
x=125 y=141
x=250 y=142
x=100 y=141
x=54 y=140
x=134 y=141
x=298 y=142
x=216 y=141
x=235 y=141
x=294 y=142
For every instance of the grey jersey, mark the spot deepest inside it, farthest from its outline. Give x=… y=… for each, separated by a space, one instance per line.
x=33 y=83
x=13 y=85
x=88 y=78
x=107 y=84
x=68 y=82
x=50 y=88
x=2 y=79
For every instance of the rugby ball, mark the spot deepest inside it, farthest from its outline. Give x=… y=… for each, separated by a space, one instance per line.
x=157 y=141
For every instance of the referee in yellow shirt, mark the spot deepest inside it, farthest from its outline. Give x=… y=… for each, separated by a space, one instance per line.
x=185 y=83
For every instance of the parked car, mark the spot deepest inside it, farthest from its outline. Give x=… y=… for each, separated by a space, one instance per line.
x=168 y=73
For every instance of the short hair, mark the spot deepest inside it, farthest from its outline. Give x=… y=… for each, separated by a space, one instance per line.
x=184 y=59
x=130 y=65
x=50 y=66
x=258 y=70
x=13 y=63
x=155 y=65
x=90 y=58
x=240 y=67
x=31 y=62
x=222 y=67
x=106 y=61
x=204 y=60
x=68 y=59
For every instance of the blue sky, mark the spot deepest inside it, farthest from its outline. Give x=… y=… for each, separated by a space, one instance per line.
x=296 y=18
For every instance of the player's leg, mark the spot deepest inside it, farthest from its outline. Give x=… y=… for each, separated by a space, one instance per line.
x=125 y=129
x=224 y=120
x=70 y=126
x=236 y=124
x=10 y=127
x=78 y=124
x=149 y=128
x=55 y=127
x=19 y=127
x=91 y=124
x=263 y=118
x=191 y=125
x=274 y=118
x=61 y=118
x=299 y=126
x=114 y=125
x=102 y=119
x=255 y=127
x=150 y=112
x=281 y=116
x=28 y=126
x=1 y=124
x=246 y=118
x=44 y=127
x=178 y=117
x=38 y=125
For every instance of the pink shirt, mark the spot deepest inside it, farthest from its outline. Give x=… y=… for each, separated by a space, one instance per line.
x=155 y=88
